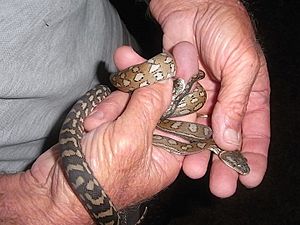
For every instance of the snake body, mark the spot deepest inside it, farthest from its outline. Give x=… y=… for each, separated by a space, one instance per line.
x=184 y=101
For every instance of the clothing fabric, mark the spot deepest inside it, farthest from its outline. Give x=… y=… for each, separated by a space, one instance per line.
x=50 y=52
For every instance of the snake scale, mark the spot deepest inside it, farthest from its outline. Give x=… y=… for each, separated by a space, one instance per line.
x=185 y=100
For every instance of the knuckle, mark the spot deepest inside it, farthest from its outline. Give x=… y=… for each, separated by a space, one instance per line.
x=237 y=108
x=152 y=100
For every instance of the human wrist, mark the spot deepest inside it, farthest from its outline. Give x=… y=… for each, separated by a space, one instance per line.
x=115 y=184
x=24 y=200
x=61 y=198
x=17 y=203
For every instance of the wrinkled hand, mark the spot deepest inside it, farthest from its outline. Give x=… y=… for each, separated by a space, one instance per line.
x=118 y=148
x=120 y=137
x=237 y=83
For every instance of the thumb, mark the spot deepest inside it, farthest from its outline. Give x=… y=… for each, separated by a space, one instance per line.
x=232 y=101
x=146 y=106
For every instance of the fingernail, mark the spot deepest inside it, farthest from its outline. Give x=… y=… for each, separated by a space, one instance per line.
x=231 y=136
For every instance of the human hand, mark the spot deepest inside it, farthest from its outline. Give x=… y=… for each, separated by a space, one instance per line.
x=149 y=169
x=40 y=195
x=237 y=83
x=118 y=148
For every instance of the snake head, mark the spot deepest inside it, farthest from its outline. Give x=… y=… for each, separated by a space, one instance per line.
x=236 y=161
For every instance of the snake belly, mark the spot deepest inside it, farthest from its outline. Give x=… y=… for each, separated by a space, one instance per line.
x=184 y=101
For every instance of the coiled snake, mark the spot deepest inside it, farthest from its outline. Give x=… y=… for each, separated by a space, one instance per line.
x=184 y=101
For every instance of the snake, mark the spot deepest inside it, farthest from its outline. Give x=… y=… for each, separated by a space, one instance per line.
x=187 y=97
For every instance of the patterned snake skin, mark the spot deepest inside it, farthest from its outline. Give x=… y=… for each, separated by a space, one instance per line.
x=184 y=101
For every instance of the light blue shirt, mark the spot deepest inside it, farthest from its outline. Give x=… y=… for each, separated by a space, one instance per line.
x=49 y=55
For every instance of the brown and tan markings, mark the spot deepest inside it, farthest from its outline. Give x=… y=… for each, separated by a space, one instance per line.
x=184 y=101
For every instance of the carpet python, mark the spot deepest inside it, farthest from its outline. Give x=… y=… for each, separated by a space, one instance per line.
x=185 y=100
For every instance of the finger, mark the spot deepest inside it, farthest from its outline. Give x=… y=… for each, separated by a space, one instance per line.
x=232 y=101
x=195 y=166
x=143 y=111
x=146 y=104
x=257 y=164
x=125 y=56
x=229 y=111
x=186 y=64
x=256 y=138
x=223 y=181
x=109 y=109
x=186 y=57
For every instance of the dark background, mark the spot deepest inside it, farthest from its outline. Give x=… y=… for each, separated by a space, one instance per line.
x=276 y=200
